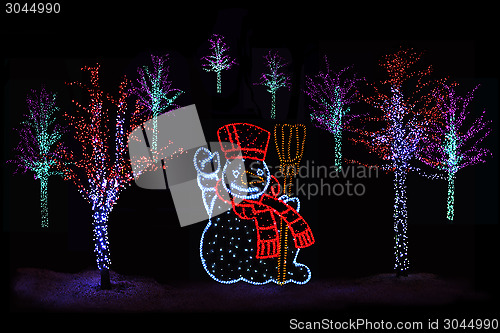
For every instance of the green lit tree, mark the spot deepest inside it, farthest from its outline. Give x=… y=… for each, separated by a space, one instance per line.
x=218 y=60
x=275 y=78
x=40 y=150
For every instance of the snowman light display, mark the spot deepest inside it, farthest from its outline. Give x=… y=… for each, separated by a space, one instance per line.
x=241 y=241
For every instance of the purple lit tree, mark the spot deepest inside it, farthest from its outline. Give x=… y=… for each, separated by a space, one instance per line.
x=218 y=61
x=276 y=78
x=155 y=93
x=408 y=122
x=331 y=94
x=39 y=149
x=458 y=144
x=99 y=177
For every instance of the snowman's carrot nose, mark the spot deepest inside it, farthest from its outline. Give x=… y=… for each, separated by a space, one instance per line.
x=256 y=178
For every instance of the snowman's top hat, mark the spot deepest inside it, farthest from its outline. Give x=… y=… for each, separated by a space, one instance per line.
x=243 y=140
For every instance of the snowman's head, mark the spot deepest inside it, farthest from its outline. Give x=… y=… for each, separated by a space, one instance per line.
x=246 y=178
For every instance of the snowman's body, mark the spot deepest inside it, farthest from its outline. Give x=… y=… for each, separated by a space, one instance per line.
x=228 y=246
x=227 y=250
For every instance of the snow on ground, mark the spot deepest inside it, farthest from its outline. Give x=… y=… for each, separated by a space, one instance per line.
x=45 y=290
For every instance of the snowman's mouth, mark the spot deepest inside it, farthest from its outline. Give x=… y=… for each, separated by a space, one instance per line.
x=244 y=189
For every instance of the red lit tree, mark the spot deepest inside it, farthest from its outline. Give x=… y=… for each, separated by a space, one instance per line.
x=408 y=121
x=99 y=176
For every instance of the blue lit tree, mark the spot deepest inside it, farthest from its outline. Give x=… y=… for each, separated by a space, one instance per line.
x=155 y=93
x=331 y=94
x=99 y=177
x=40 y=150
x=457 y=145
x=218 y=60
x=275 y=78
x=408 y=119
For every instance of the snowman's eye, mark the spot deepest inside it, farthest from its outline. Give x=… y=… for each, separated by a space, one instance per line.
x=260 y=172
x=236 y=173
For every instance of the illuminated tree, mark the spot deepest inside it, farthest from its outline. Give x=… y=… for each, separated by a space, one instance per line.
x=331 y=94
x=98 y=175
x=155 y=93
x=276 y=78
x=39 y=149
x=458 y=144
x=218 y=61
x=408 y=121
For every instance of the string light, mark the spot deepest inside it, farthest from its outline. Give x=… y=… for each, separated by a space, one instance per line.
x=40 y=150
x=456 y=145
x=275 y=78
x=409 y=117
x=98 y=177
x=331 y=94
x=218 y=61
x=243 y=244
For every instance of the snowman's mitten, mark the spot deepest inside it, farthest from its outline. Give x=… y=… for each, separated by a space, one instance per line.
x=206 y=162
x=207 y=167
x=291 y=201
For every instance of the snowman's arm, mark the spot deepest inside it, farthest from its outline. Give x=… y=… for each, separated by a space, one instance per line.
x=207 y=167
x=204 y=162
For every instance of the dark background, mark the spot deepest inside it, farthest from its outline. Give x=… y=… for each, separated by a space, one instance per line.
x=354 y=235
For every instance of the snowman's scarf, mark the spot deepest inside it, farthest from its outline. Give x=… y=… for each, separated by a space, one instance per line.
x=266 y=211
